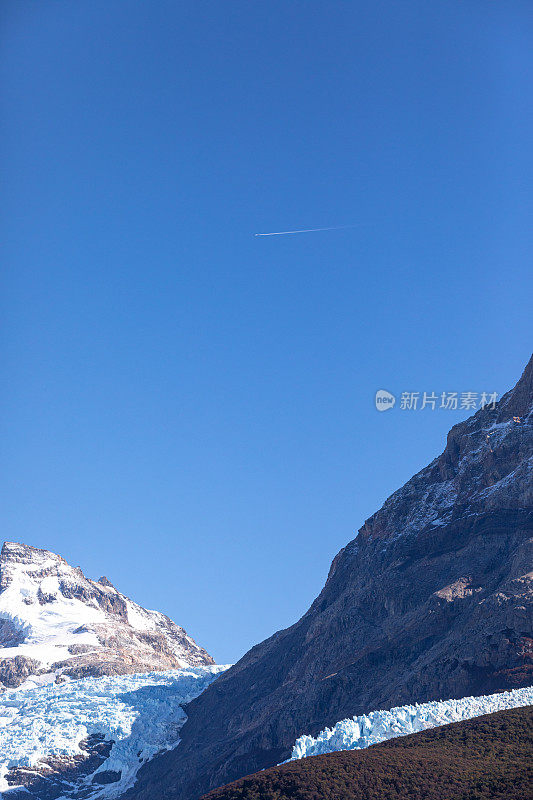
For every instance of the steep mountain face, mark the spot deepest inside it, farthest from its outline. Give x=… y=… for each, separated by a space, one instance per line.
x=432 y=600
x=56 y=623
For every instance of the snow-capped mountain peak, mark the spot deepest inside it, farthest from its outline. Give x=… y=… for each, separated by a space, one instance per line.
x=56 y=623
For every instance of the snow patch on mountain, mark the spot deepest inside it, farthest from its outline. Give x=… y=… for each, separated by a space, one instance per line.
x=140 y=714
x=378 y=726
x=55 y=620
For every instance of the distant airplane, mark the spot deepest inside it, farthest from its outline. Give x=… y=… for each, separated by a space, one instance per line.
x=306 y=230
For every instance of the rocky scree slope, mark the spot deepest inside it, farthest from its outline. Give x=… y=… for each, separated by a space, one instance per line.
x=56 y=622
x=432 y=600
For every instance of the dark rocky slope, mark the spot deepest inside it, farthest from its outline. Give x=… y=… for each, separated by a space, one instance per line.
x=432 y=600
x=489 y=757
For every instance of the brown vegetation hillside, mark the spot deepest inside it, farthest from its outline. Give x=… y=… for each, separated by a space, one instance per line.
x=487 y=757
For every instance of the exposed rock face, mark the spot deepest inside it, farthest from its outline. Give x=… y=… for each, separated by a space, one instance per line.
x=54 y=619
x=63 y=776
x=14 y=671
x=432 y=600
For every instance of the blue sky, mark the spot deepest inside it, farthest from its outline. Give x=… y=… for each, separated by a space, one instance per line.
x=187 y=408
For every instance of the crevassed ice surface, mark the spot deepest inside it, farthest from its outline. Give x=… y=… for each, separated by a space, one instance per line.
x=141 y=713
x=377 y=726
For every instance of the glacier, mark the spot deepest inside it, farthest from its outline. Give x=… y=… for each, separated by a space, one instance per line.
x=362 y=731
x=141 y=713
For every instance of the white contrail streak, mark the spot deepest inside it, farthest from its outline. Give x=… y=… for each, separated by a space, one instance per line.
x=306 y=230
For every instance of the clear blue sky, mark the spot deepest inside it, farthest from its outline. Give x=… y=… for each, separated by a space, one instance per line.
x=188 y=408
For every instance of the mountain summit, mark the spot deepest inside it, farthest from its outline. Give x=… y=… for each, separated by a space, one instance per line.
x=56 y=622
x=432 y=600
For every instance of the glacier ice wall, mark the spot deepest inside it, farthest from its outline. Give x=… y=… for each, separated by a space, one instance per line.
x=141 y=713
x=377 y=726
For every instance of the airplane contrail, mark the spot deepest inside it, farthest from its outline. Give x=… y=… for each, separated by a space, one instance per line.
x=306 y=230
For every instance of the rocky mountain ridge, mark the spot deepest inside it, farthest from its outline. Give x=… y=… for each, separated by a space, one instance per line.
x=57 y=624
x=432 y=600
